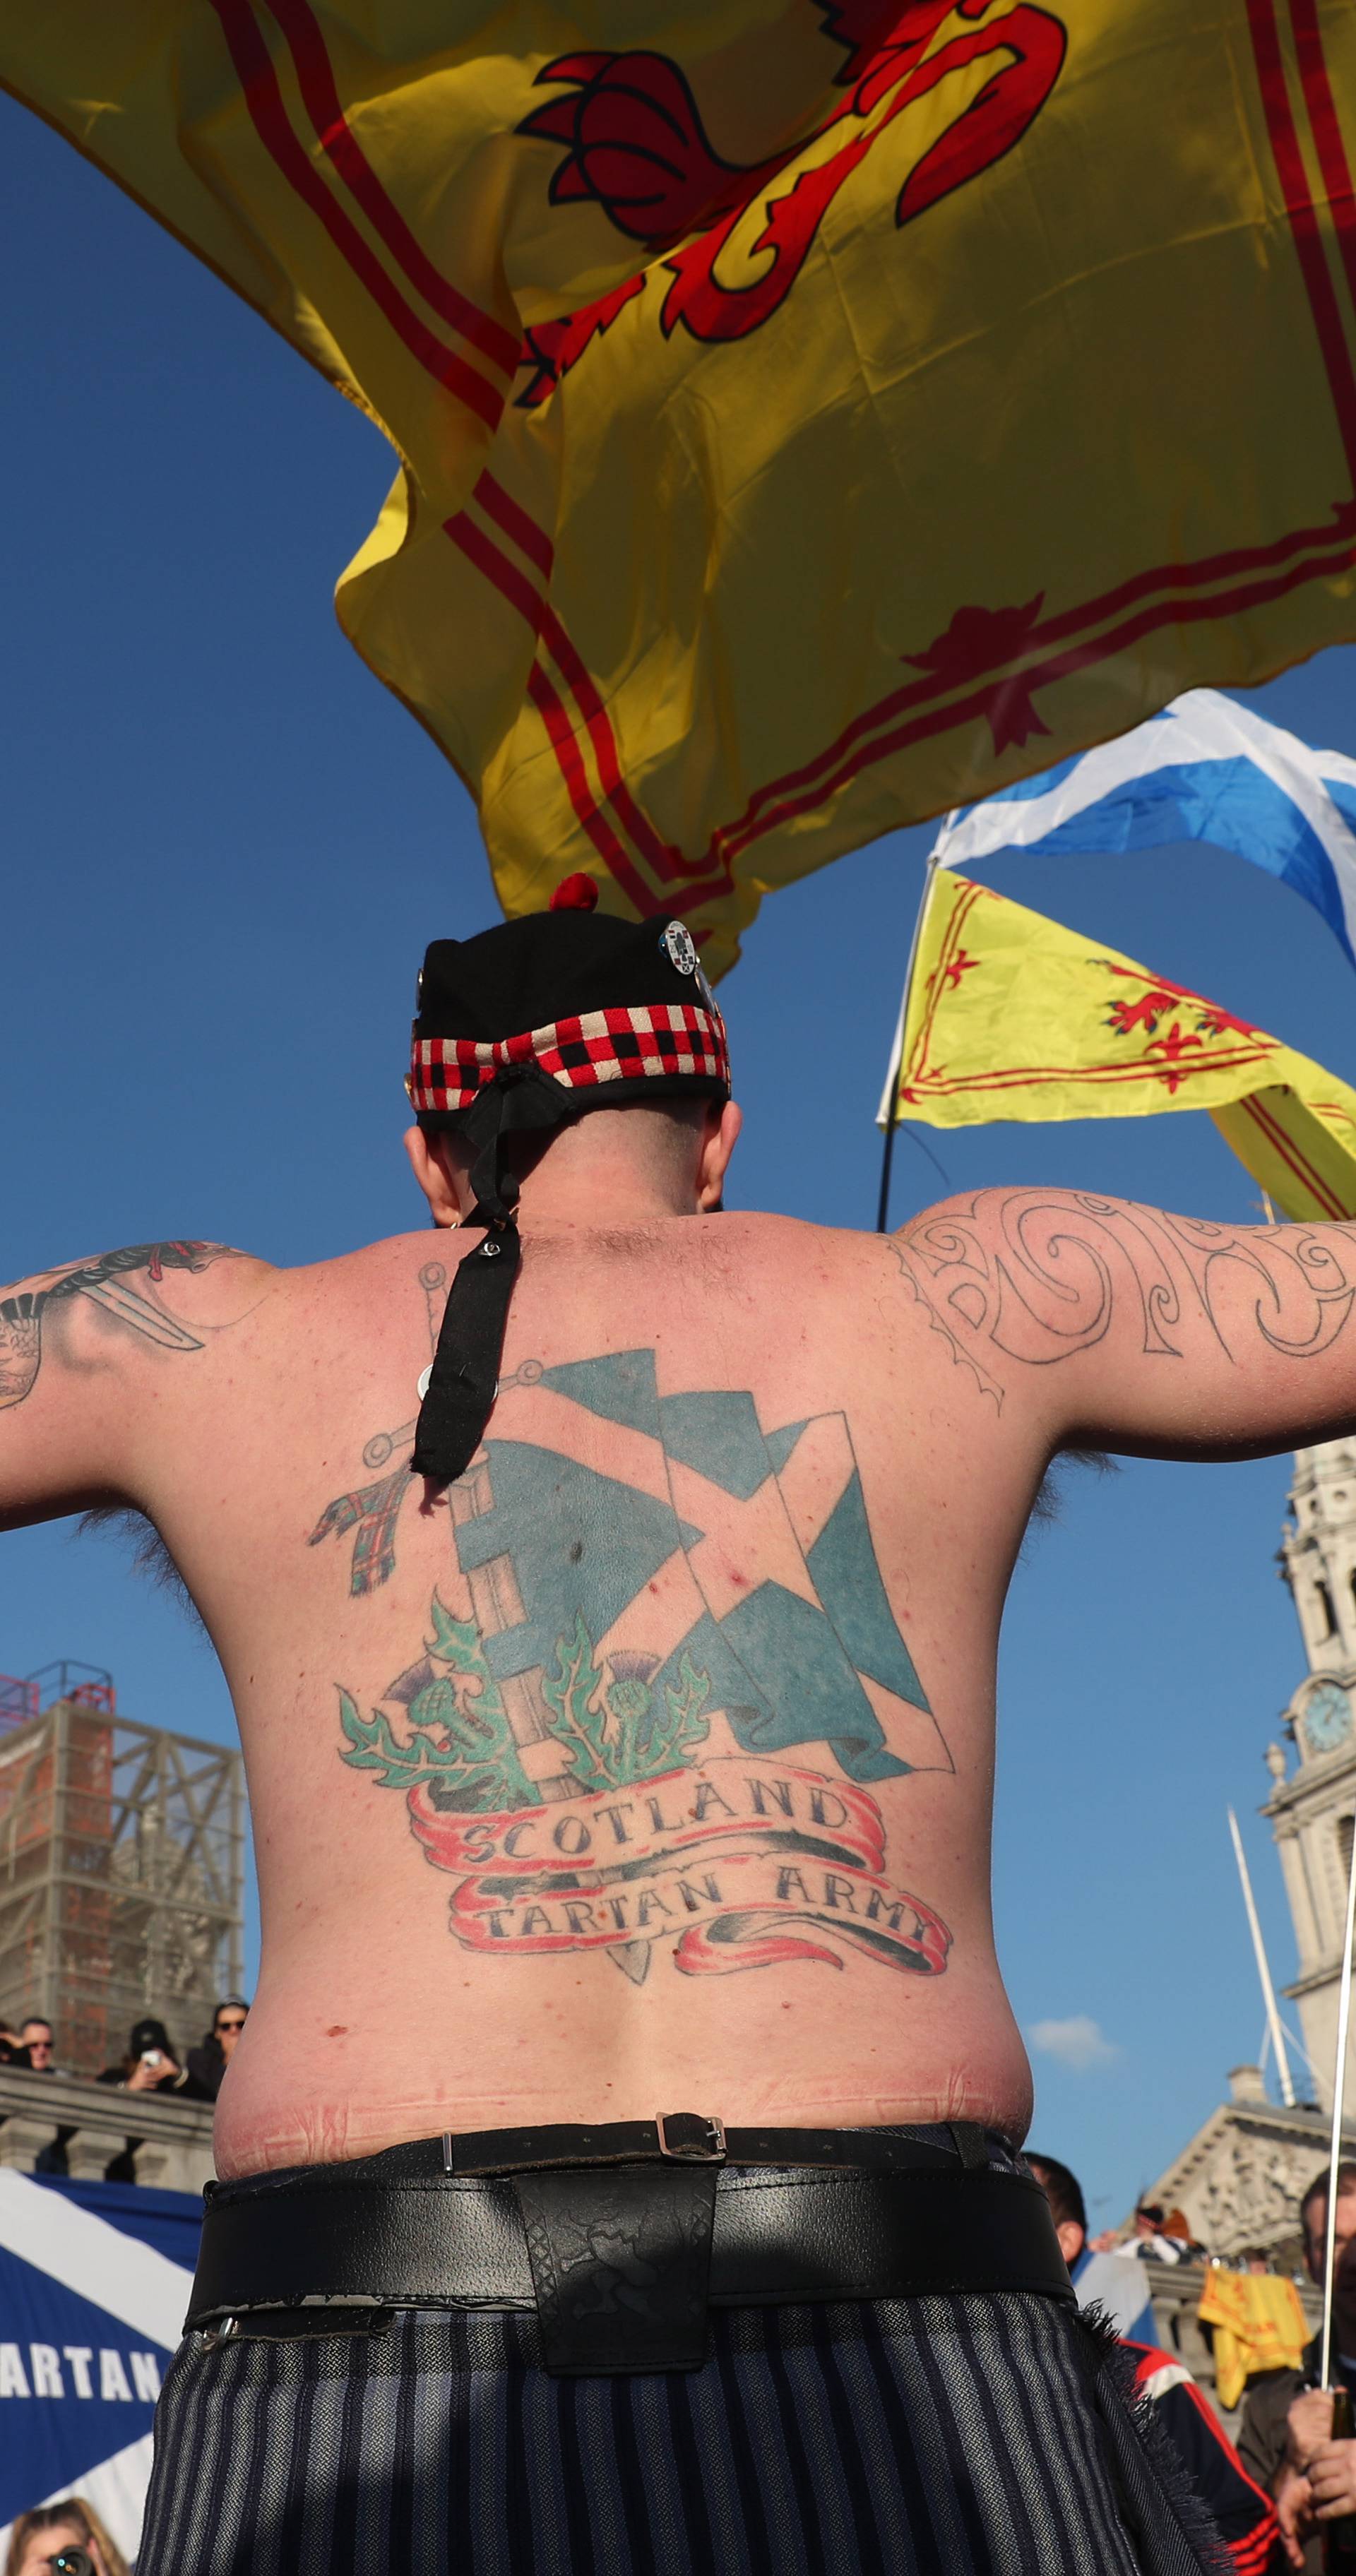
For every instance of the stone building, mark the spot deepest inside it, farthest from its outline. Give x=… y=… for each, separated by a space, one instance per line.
x=1240 y=2177
x=1313 y=1800
x=1240 y=2180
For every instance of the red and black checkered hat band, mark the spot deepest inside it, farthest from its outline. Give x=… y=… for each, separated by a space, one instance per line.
x=659 y=1038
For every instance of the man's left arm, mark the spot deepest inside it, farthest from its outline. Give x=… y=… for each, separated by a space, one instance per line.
x=83 y=1349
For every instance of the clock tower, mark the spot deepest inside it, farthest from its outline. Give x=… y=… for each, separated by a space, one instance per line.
x=1312 y=1806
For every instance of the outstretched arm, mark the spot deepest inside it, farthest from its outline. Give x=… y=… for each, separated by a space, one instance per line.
x=81 y=1348
x=1131 y=1329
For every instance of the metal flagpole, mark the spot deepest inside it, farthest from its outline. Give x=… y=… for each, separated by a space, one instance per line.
x=1263 y=1971
x=890 y=1104
x=1335 y=2148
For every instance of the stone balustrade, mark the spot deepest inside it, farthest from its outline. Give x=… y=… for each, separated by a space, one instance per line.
x=169 y=2141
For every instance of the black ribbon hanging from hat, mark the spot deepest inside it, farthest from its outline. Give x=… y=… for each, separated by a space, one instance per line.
x=464 y=1379
x=527 y=1027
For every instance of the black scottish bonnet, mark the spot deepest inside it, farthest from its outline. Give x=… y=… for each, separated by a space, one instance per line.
x=527 y=1027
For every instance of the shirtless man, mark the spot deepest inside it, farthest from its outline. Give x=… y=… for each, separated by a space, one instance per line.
x=643 y=1768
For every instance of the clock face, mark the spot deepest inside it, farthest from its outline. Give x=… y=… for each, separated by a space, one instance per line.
x=1327 y=1718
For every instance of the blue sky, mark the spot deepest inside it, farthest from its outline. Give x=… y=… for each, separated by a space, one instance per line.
x=224 y=849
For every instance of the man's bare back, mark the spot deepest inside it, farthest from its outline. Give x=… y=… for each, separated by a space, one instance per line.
x=652 y=1761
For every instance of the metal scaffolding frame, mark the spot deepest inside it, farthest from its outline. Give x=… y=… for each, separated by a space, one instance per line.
x=121 y=1875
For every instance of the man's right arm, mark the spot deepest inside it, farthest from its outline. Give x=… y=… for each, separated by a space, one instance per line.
x=1124 y=1327
x=82 y=1352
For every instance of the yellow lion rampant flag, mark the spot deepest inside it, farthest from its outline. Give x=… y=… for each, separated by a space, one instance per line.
x=1259 y=2325
x=1010 y=1015
x=812 y=414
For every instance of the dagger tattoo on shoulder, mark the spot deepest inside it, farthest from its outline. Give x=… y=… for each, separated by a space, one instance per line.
x=105 y=1282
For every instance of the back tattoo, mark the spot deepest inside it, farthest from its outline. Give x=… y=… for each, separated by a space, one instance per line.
x=594 y=1740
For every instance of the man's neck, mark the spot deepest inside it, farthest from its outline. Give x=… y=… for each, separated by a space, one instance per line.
x=607 y=1191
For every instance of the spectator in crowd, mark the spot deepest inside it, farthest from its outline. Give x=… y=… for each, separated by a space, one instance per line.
x=40 y=2536
x=1102 y=2279
x=151 y=2066
x=207 y=2065
x=1162 y=2236
x=1317 y=2482
x=1244 y=2514
x=1271 y=2450
x=1240 y=2508
x=36 y=2035
x=12 y=2049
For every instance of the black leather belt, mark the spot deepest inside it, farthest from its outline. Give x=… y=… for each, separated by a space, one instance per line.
x=622 y=2236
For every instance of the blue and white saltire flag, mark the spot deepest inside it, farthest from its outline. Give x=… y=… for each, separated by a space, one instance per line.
x=94 y=2285
x=1206 y=769
x=1119 y=2284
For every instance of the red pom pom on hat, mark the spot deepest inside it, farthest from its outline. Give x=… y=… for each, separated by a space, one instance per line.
x=575 y=894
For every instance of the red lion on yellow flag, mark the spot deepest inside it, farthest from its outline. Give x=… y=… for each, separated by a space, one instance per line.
x=695 y=623
x=638 y=148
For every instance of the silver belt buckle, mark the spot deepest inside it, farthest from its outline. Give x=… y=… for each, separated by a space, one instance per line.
x=712 y=2153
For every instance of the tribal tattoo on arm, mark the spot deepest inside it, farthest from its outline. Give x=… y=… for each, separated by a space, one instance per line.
x=104 y=1282
x=653 y=1603
x=1035 y=1276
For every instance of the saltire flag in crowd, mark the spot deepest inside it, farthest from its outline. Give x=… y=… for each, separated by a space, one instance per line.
x=1206 y=769
x=1117 y=2284
x=94 y=2285
x=812 y=414
x=1010 y=1015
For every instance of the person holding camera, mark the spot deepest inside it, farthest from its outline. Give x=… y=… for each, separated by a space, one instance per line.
x=66 y=2539
x=151 y=2066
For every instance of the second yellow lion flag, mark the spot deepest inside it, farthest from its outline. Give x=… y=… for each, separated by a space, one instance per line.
x=1258 y=2325
x=813 y=414
x=1011 y=1015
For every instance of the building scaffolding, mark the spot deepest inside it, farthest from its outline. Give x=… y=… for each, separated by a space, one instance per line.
x=121 y=1868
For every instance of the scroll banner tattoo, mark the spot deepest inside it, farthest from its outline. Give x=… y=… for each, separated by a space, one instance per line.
x=659 y=1602
x=676 y=1859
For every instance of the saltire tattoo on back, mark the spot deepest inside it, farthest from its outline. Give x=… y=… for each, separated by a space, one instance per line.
x=372 y=1511
x=594 y=1744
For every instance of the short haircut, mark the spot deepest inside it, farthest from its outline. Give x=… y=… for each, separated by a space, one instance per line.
x=662 y=1130
x=1318 y=2188
x=35 y=2021
x=1063 y=2191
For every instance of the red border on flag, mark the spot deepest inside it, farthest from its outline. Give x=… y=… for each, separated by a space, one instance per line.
x=1277 y=568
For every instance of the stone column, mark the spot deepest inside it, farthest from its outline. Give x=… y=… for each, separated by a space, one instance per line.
x=89 y=2152
x=22 y=2141
x=169 y=2165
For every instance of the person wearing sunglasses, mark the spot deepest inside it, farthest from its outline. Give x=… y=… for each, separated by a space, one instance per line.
x=208 y=2064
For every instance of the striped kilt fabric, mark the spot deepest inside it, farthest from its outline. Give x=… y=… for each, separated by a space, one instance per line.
x=964 y=2435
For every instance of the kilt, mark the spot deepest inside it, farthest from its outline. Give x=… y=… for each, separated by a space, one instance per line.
x=964 y=2435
